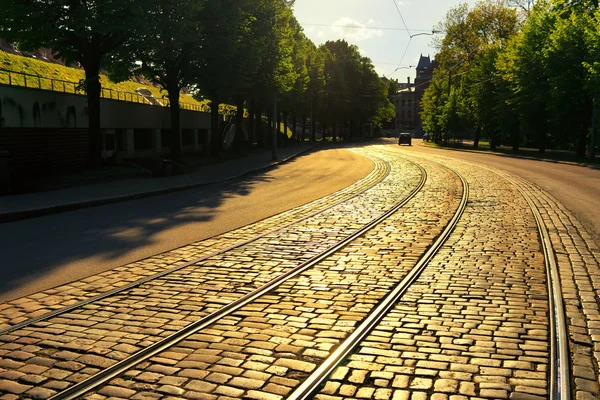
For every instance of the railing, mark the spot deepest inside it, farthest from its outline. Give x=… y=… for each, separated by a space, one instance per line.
x=23 y=79
x=123 y=96
x=188 y=106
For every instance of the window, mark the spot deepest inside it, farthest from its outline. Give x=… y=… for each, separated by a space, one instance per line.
x=187 y=137
x=110 y=141
x=142 y=139
x=165 y=137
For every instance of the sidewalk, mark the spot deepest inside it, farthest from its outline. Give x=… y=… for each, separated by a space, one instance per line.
x=18 y=207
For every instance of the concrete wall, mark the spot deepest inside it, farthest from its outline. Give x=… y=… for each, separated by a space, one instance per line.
x=32 y=108
x=28 y=108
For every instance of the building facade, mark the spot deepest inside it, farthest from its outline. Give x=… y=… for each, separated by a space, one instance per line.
x=408 y=98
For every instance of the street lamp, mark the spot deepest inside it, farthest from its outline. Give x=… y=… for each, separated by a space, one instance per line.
x=424 y=34
x=408 y=67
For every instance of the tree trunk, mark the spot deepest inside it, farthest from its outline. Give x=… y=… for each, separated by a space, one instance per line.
x=240 y=139
x=594 y=130
x=252 y=125
x=260 y=139
x=175 y=139
x=215 y=130
x=542 y=142
x=515 y=140
x=294 y=123
x=582 y=142
x=284 y=135
x=278 y=129
x=303 y=127
x=270 y=123
x=477 y=137
x=92 y=80
x=324 y=130
x=334 y=131
x=313 y=123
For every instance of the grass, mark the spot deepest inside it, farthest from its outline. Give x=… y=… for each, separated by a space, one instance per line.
x=549 y=155
x=57 y=77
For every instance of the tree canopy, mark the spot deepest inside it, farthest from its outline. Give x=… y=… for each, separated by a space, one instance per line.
x=520 y=73
x=251 y=53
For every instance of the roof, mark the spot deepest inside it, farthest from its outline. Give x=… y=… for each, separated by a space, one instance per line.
x=424 y=62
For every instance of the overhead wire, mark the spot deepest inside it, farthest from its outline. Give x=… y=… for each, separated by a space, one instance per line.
x=410 y=37
x=401 y=17
x=366 y=27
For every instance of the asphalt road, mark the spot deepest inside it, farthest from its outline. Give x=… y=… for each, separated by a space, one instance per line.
x=45 y=252
x=42 y=253
x=576 y=187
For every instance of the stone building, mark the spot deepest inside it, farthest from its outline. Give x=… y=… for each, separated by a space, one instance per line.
x=408 y=98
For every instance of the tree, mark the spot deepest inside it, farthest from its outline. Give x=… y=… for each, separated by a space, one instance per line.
x=467 y=58
x=566 y=54
x=167 y=49
x=83 y=32
x=524 y=5
x=220 y=21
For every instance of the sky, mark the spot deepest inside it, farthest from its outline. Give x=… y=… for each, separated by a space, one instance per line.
x=367 y=23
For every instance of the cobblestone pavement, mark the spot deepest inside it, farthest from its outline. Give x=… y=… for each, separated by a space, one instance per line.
x=100 y=333
x=277 y=340
x=473 y=326
x=38 y=304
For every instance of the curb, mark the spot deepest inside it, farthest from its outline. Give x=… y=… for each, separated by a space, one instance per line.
x=40 y=212
x=518 y=156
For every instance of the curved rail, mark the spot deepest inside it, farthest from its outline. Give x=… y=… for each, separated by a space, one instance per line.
x=113 y=371
x=560 y=377
x=310 y=386
x=185 y=265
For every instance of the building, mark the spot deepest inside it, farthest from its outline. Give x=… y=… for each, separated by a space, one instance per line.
x=405 y=108
x=408 y=98
x=425 y=70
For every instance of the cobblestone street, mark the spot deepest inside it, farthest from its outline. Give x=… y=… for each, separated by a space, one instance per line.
x=256 y=312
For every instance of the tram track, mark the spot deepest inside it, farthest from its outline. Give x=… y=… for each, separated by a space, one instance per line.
x=80 y=389
x=311 y=385
x=46 y=328
x=559 y=382
x=560 y=370
x=559 y=374
x=369 y=183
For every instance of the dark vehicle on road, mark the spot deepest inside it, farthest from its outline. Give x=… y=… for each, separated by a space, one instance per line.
x=405 y=138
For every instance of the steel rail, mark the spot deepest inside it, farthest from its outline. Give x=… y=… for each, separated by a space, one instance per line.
x=113 y=371
x=560 y=374
x=149 y=278
x=560 y=377
x=309 y=387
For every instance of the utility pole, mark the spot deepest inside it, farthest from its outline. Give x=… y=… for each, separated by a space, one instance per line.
x=446 y=139
x=312 y=126
x=275 y=129
x=594 y=133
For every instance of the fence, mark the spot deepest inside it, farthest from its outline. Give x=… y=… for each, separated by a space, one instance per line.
x=23 y=79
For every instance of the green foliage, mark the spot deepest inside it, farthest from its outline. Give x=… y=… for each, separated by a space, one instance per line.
x=72 y=76
x=525 y=79
x=223 y=51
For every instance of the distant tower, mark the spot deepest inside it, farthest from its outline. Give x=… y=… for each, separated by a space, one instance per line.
x=425 y=70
